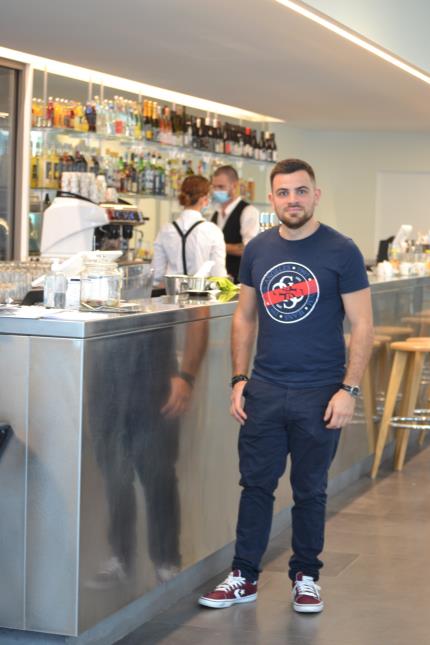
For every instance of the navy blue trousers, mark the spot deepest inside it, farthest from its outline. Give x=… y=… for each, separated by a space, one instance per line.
x=284 y=421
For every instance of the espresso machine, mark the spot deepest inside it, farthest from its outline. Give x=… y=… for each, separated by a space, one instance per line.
x=120 y=229
x=74 y=224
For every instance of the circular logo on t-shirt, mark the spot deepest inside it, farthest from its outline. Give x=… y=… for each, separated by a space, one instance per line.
x=290 y=292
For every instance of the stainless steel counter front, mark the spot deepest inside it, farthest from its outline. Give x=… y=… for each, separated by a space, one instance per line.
x=99 y=473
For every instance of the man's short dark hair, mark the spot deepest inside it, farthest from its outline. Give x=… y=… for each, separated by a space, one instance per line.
x=227 y=170
x=288 y=166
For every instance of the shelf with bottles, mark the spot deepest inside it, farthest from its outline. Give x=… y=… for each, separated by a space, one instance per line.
x=140 y=173
x=130 y=142
x=124 y=195
x=146 y=121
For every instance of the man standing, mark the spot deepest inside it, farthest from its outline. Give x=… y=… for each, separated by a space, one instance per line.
x=299 y=280
x=238 y=220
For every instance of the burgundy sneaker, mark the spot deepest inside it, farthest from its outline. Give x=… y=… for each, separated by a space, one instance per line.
x=306 y=595
x=233 y=590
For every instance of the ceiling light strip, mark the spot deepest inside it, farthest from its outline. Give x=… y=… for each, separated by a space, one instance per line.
x=353 y=38
x=134 y=87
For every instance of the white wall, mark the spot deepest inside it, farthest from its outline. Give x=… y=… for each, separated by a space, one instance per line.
x=347 y=166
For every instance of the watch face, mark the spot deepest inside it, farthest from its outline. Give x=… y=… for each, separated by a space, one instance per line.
x=353 y=390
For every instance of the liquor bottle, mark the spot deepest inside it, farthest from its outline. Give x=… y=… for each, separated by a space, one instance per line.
x=247 y=144
x=94 y=165
x=50 y=113
x=189 y=168
x=148 y=175
x=188 y=132
x=263 y=156
x=137 y=128
x=148 y=121
x=236 y=147
x=156 y=117
x=35 y=168
x=217 y=135
x=55 y=169
x=178 y=122
x=168 y=127
x=159 y=177
x=255 y=146
x=274 y=149
x=163 y=135
x=228 y=139
x=195 y=143
x=133 y=174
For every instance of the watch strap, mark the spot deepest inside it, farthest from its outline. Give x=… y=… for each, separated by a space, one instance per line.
x=353 y=390
x=237 y=378
x=187 y=377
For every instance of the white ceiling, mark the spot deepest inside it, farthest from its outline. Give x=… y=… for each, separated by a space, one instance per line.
x=250 y=53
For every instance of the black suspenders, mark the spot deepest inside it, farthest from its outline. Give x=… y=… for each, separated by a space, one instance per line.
x=184 y=239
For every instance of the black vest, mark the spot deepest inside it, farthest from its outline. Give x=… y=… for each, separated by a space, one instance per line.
x=232 y=235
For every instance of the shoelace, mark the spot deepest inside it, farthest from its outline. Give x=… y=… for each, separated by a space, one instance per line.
x=230 y=583
x=307 y=588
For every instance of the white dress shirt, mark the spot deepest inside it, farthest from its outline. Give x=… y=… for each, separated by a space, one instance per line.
x=205 y=242
x=249 y=220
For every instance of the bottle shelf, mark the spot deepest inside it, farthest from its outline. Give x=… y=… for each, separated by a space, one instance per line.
x=44 y=189
x=127 y=141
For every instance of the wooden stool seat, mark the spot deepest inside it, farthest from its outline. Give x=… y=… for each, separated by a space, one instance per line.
x=408 y=360
x=420 y=322
x=420 y=345
x=394 y=331
x=383 y=338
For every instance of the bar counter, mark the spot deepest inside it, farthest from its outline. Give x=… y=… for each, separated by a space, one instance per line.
x=107 y=467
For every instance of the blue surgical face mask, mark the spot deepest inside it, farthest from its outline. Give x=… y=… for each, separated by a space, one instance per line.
x=205 y=209
x=220 y=196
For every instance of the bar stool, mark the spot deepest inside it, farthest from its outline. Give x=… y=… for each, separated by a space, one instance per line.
x=424 y=397
x=420 y=322
x=395 y=332
x=408 y=358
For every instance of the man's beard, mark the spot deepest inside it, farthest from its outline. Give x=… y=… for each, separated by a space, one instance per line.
x=296 y=223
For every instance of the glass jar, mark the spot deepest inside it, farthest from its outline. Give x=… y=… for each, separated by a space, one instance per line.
x=54 y=291
x=100 y=286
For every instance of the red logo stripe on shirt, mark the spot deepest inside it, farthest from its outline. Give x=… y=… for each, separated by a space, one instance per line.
x=291 y=291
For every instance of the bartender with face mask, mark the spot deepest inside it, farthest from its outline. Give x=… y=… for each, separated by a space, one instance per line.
x=238 y=220
x=182 y=246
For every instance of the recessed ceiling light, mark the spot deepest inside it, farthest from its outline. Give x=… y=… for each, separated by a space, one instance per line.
x=303 y=10
x=127 y=85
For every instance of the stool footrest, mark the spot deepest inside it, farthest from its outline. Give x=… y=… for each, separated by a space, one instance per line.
x=411 y=423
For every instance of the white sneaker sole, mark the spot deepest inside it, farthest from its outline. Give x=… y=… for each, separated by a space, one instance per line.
x=308 y=609
x=222 y=604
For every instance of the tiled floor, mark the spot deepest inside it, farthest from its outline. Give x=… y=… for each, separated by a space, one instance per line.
x=376 y=579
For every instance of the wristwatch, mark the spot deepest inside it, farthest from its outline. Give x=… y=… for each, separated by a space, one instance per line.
x=237 y=378
x=353 y=390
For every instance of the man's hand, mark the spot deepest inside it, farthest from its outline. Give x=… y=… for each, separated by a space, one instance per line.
x=340 y=410
x=236 y=407
x=179 y=398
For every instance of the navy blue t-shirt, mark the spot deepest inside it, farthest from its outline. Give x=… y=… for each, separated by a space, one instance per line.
x=300 y=311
